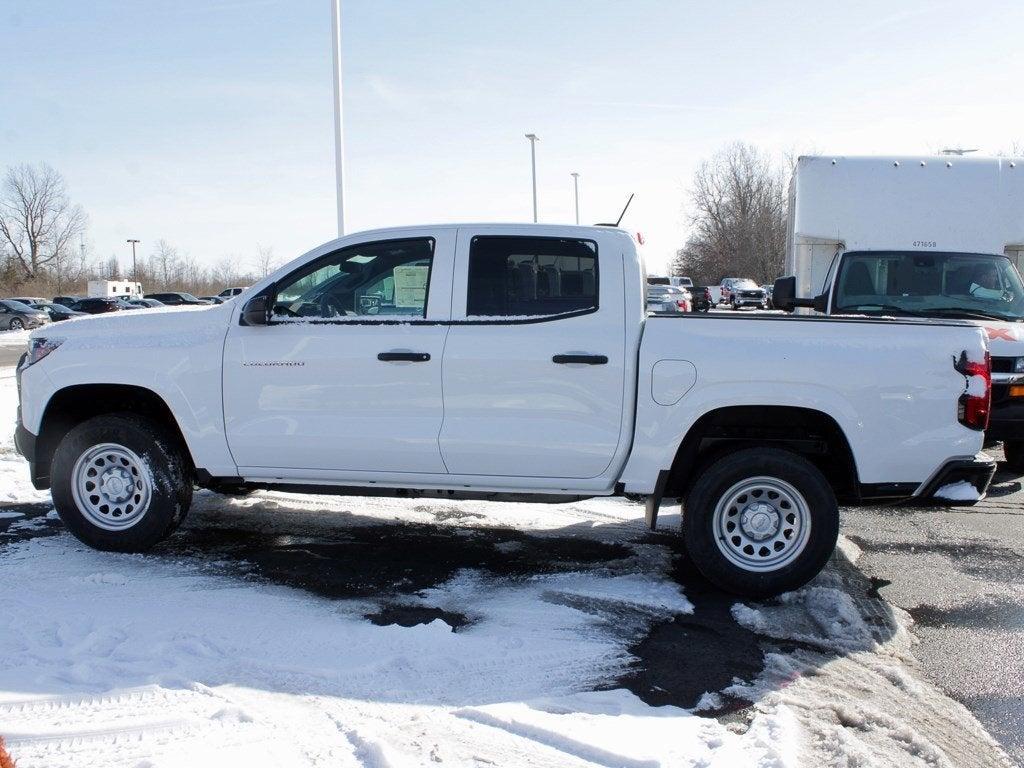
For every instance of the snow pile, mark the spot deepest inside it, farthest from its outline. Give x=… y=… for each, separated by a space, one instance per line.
x=958 y=491
x=825 y=617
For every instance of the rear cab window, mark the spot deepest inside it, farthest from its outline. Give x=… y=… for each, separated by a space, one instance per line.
x=529 y=278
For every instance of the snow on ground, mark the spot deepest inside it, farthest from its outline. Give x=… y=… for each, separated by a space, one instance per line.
x=14 y=338
x=14 y=483
x=193 y=654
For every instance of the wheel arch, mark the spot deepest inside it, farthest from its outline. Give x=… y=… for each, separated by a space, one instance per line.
x=73 y=404
x=805 y=431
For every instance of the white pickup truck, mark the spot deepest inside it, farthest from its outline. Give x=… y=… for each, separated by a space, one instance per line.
x=491 y=359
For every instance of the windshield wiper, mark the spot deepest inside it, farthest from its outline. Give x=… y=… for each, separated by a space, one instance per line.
x=972 y=314
x=883 y=308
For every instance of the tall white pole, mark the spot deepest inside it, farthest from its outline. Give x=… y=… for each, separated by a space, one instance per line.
x=339 y=137
x=533 y=168
x=576 y=191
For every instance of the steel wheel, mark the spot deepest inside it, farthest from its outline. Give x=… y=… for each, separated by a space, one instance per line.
x=112 y=486
x=761 y=524
x=17 y=324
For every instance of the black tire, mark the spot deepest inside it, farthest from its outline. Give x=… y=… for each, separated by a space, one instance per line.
x=820 y=511
x=169 y=497
x=1014 y=451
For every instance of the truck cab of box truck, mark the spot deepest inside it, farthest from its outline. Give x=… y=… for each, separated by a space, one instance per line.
x=934 y=237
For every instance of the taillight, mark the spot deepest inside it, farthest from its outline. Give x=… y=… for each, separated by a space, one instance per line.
x=975 y=403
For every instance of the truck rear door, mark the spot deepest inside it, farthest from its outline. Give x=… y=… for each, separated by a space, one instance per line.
x=534 y=363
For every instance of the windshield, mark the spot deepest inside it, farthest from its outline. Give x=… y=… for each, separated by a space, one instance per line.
x=16 y=306
x=930 y=284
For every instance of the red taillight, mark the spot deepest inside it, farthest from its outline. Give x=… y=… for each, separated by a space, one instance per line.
x=681 y=303
x=975 y=403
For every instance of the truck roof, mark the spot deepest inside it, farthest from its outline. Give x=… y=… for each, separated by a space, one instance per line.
x=910 y=202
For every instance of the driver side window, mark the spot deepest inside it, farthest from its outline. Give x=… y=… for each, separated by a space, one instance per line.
x=381 y=279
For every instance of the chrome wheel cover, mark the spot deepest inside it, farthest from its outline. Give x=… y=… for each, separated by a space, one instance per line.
x=112 y=486
x=762 y=524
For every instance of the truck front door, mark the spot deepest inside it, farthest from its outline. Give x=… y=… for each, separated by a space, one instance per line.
x=346 y=378
x=534 y=361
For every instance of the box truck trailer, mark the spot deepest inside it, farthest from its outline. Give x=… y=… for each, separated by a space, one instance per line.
x=933 y=237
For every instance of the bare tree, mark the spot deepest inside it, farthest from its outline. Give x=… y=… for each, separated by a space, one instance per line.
x=738 y=224
x=164 y=264
x=265 y=262
x=38 y=222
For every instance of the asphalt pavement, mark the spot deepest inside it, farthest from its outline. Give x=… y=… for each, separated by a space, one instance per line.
x=958 y=572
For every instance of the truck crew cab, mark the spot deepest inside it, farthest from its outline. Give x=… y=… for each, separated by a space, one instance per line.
x=503 y=359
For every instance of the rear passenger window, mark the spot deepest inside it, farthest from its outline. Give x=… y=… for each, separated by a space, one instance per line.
x=530 y=276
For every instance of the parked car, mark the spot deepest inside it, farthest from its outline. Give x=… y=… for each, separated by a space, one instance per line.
x=56 y=311
x=146 y=303
x=126 y=304
x=740 y=292
x=666 y=298
x=97 y=306
x=176 y=298
x=228 y=293
x=701 y=298
x=405 y=384
x=954 y=253
x=15 y=316
x=714 y=294
x=768 y=291
x=213 y=299
x=29 y=300
x=66 y=301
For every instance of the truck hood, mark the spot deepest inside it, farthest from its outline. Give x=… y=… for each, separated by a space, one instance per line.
x=170 y=327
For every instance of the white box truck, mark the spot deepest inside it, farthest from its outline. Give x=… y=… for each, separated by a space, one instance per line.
x=114 y=289
x=935 y=237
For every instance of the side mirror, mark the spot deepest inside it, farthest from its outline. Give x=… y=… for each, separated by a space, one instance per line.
x=257 y=309
x=784 y=294
x=784 y=297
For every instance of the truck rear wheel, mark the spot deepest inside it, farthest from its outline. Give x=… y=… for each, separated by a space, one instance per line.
x=1014 y=451
x=119 y=482
x=760 y=521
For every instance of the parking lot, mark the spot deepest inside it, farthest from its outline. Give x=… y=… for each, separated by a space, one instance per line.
x=314 y=630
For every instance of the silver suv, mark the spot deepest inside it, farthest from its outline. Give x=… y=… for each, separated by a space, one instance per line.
x=740 y=292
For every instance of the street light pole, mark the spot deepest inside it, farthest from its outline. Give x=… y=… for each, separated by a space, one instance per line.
x=135 y=274
x=576 y=191
x=339 y=138
x=533 y=167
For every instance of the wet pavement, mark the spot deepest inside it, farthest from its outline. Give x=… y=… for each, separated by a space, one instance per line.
x=959 y=572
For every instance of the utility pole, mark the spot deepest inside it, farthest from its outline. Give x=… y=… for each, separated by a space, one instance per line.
x=339 y=137
x=135 y=274
x=533 y=166
x=576 y=191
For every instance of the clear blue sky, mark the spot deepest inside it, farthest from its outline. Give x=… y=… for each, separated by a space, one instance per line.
x=209 y=122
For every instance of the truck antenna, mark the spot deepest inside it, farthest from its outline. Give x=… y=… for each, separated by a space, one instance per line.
x=621 y=215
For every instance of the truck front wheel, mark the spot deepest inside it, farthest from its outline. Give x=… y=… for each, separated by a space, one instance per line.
x=119 y=482
x=760 y=521
x=1014 y=451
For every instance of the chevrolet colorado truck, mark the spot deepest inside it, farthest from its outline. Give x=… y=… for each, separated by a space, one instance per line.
x=503 y=359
